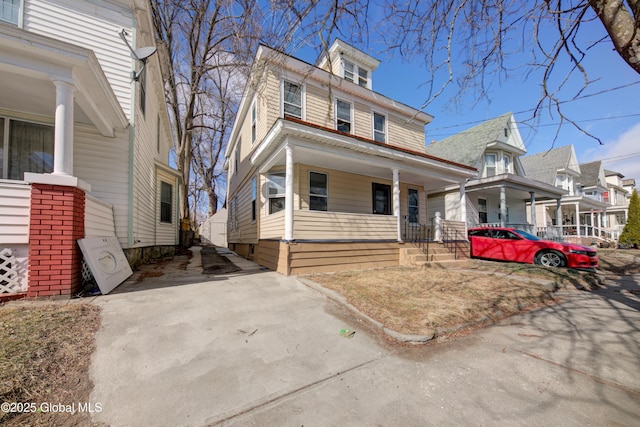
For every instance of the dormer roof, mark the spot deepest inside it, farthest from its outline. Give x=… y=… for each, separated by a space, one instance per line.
x=341 y=49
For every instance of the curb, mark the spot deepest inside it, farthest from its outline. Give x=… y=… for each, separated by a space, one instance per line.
x=334 y=296
x=550 y=285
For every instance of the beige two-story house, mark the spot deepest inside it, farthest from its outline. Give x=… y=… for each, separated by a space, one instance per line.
x=324 y=173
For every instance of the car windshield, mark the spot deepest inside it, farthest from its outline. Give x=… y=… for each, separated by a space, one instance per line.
x=527 y=235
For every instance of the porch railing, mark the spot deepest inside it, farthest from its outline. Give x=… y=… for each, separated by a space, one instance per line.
x=452 y=234
x=419 y=235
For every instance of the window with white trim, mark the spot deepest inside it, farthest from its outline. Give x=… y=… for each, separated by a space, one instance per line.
x=254 y=119
x=343 y=116
x=25 y=147
x=490 y=164
x=292 y=99
x=413 y=205
x=254 y=196
x=349 y=68
x=318 y=191
x=354 y=73
x=166 y=202
x=276 y=191
x=11 y=11
x=482 y=211
x=236 y=160
x=506 y=163
x=379 y=127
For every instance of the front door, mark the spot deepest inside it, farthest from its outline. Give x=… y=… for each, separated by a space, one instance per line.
x=381 y=199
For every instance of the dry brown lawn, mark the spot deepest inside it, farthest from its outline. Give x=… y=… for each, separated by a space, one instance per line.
x=420 y=301
x=45 y=351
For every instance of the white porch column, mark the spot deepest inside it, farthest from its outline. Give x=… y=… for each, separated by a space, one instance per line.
x=577 y=220
x=593 y=231
x=463 y=205
x=599 y=218
x=534 y=222
x=288 y=195
x=559 y=222
x=63 y=133
x=396 y=202
x=503 y=206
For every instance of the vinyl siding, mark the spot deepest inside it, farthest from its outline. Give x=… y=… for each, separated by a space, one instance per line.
x=405 y=133
x=98 y=218
x=15 y=202
x=327 y=257
x=92 y=25
x=272 y=226
x=104 y=163
x=315 y=225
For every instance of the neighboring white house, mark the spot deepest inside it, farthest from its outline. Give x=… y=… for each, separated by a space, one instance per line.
x=84 y=139
x=502 y=194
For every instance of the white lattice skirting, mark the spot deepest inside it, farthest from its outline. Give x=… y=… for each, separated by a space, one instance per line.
x=9 y=283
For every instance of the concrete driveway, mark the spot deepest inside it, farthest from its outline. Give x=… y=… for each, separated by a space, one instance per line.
x=258 y=348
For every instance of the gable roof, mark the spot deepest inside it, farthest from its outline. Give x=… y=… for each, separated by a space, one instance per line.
x=590 y=173
x=544 y=166
x=468 y=147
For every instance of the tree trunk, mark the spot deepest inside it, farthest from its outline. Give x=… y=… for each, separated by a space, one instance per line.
x=621 y=27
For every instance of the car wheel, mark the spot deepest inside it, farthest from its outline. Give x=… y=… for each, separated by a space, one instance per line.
x=550 y=259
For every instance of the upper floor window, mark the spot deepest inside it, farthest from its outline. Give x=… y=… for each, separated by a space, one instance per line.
x=354 y=73
x=254 y=118
x=349 y=70
x=506 y=164
x=497 y=163
x=379 y=127
x=25 y=147
x=292 y=100
x=343 y=116
x=565 y=182
x=10 y=11
x=490 y=164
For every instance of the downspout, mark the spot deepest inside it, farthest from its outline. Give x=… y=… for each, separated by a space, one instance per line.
x=132 y=139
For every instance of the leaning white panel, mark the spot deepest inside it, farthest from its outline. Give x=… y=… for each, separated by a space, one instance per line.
x=107 y=262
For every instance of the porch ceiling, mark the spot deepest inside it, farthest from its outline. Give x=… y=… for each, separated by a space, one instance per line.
x=29 y=65
x=516 y=186
x=324 y=149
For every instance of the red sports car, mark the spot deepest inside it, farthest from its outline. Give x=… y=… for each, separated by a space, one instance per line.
x=510 y=244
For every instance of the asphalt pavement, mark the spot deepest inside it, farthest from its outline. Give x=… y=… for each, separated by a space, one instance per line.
x=254 y=347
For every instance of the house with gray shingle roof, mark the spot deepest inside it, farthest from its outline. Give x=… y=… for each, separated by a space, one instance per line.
x=499 y=194
x=617 y=195
x=581 y=211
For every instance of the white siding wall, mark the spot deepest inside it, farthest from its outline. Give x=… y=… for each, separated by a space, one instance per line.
x=98 y=218
x=15 y=199
x=104 y=163
x=93 y=25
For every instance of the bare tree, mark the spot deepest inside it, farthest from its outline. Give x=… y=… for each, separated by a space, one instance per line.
x=205 y=42
x=467 y=43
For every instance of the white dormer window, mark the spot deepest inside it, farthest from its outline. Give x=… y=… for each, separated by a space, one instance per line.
x=348 y=70
x=355 y=73
x=490 y=164
x=506 y=163
x=363 y=77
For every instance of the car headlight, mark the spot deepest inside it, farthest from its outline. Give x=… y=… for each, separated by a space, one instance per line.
x=579 y=252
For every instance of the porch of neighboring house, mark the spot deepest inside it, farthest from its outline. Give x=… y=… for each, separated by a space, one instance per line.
x=512 y=201
x=337 y=203
x=577 y=219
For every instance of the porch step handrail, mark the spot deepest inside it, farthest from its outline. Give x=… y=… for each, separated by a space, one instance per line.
x=419 y=235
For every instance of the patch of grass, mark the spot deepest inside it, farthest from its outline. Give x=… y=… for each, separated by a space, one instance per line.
x=418 y=301
x=45 y=354
x=619 y=261
x=563 y=277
